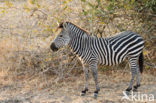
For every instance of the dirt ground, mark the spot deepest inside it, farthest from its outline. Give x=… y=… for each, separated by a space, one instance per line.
x=42 y=88
x=68 y=90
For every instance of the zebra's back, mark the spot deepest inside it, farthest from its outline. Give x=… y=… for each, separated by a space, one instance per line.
x=113 y=50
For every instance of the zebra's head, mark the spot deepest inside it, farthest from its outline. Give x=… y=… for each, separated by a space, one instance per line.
x=62 y=38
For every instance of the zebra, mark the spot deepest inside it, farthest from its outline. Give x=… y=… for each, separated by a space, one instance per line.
x=93 y=50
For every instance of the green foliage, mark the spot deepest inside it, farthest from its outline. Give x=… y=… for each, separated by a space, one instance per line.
x=147 y=5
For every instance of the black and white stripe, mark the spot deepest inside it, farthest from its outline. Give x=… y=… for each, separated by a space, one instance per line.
x=106 y=51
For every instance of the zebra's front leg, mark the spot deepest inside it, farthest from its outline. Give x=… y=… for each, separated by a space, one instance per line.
x=95 y=75
x=86 y=71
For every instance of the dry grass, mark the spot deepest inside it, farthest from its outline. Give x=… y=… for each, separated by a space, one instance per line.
x=31 y=73
x=37 y=90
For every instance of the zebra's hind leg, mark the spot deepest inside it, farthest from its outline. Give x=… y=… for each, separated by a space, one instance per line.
x=95 y=75
x=137 y=81
x=133 y=65
x=86 y=71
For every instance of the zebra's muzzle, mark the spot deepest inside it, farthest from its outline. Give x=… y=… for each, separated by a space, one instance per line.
x=53 y=47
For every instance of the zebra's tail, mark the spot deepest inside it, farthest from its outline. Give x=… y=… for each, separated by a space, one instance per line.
x=141 y=62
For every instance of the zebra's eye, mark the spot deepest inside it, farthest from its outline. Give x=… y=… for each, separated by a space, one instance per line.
x=61 y=35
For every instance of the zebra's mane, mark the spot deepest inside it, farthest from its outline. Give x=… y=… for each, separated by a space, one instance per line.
x=61 y=26
x=79 y=27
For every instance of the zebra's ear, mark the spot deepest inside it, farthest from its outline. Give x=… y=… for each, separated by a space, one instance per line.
x=65 y=26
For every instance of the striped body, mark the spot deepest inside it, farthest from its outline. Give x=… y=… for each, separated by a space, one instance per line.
x=106 y=51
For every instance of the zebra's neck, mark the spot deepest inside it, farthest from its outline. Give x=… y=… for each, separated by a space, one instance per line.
x=77 y=41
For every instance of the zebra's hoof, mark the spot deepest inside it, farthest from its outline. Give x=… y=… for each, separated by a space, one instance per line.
x=135 y=90
x=95 y=95
x=136 y=87
x=128 y=91
x=83 y=94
